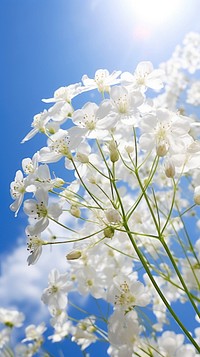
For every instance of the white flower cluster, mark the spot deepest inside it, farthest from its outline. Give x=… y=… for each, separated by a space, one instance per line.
x=129 y=153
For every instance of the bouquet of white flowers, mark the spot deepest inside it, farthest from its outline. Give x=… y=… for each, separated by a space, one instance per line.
x=135 y=155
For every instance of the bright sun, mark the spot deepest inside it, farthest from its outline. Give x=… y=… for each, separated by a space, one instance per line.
x=155 y=12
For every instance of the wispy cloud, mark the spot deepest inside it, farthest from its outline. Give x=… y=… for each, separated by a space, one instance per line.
x=22 y=285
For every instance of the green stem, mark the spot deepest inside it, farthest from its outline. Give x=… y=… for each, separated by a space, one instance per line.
x=73 y=240
x=179 y=275
x=143 y=261
x=141 y=257
x=147 y=201
x=171 y=208
x=85 y=187
x=62 y=225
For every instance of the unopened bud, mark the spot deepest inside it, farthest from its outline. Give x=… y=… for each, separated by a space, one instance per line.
x=58 y=182
x=129 y=149
x=161 y=149
x=82 y=158
x=75 y=211
x=169 y=169
x=114 y=156
x=113 y=215
x=75 y=254
x=109 y=232
x=197 y=195
x=112 y=145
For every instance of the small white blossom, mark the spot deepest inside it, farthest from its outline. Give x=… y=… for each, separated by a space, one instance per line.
x=165 y=131
x=83 y=333
x=40 y=212
x=34 y=333
x=11 y=318
x=4 y=337
x=145 y=76
x=34 y=246
x=58 y=286
x=17 y=191
x=65 y=94
x=126 y=294
x=102 y=80
x=39 y=125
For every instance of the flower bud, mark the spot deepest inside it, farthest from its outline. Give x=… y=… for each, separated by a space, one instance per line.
x=113 y=215
x=75 y=211
x=169 y=169
x=129 y=149
x=114 y=155
x=112 y=145
x=197 y=195
x=109 y=232
x=161 y=149
x=75 y=254
x=82 y=158
x=58 y=182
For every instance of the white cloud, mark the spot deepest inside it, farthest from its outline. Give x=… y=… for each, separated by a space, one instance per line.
x=22 y=285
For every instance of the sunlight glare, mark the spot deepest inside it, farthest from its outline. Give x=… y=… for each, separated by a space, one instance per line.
x=155 y=12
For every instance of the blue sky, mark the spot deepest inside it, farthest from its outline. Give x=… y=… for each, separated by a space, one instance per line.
x=46 y=44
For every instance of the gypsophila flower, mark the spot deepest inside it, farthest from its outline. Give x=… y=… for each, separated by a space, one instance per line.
x=17 y=191
x=55 y=294
x=165 y=131
x=65 y=94
x=40 y=212
x=83 y=333
x=126 y=294
x=34 y=246
x=102 y=80
x=145 y=76
x=4 y=337
x=39 y=125
x=11 y=318
x=124 y=212
x=34 y=333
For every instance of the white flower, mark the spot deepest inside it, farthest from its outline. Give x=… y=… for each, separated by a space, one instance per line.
x=165 y=131
x=193 y=94
x=145 y=76
x=17 y=191
x=123 y=329
x=187 y=159
x=40 y=212
x=60 y=144
x=34 y=246
x=11 y=318
x=83 y=333
x=102 y=80
x=26 y=350
x=58 y=286
x=61 y=330
x=170 y=342
x=124 y=105
x=126 y=294
x=93 y=120
x=66 y=94
x=34 y=333
x=39 y=125
x=90 y=282
x=60 y=111
x=30 y=165
x=4 y=337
